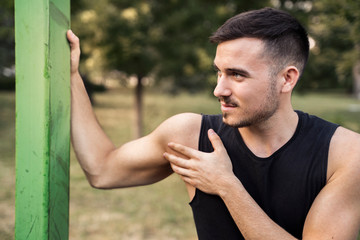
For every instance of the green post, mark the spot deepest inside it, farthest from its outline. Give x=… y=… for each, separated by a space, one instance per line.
x=42 y=119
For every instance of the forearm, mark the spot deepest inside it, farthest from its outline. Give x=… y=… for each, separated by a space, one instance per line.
x=251 y=220
x=90 y=143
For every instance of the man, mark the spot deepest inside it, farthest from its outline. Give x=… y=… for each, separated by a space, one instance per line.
x=259 y=171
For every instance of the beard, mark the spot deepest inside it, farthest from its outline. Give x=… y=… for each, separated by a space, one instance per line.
x=249 y=118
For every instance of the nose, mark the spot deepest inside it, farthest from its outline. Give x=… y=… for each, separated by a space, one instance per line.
x=222 y=88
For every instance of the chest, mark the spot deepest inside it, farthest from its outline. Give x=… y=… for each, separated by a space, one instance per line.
x=284 y=185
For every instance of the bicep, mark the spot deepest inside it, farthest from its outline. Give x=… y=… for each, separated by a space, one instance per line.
x=335 y=213
x=141 y=161
x=135 y=163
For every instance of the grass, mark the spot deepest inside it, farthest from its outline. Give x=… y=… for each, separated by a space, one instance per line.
x=7 y=168
x=334 y=107
x=159 y=211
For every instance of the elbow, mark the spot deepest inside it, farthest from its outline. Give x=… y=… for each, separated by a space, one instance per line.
x=98 y=182
x=98 y=175
x=104 y=182
x=96 y=185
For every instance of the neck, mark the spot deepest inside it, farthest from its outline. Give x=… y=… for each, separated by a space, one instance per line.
x=267 y=137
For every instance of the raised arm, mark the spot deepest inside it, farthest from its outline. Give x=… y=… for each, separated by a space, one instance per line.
x=138 y=162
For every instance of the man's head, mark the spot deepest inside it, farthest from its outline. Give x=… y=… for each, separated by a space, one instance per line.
x=259 y=58
x=285 y=40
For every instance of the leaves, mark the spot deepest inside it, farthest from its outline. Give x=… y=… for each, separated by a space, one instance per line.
x=167 y=40
x=335 y=26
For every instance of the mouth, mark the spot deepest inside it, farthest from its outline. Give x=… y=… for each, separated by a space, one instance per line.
x=227 y=106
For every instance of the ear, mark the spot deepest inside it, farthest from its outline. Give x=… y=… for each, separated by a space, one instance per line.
x=290 y=76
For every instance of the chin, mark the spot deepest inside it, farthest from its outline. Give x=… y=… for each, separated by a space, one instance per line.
x=235 y=122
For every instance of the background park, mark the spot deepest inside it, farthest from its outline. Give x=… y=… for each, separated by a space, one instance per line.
x=147 y=60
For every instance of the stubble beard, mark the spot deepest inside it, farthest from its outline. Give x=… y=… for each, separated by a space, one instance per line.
x=267 y=109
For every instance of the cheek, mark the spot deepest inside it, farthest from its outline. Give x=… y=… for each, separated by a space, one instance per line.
x=250 y=94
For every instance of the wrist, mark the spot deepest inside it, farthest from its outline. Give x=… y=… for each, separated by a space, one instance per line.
x=74 y=74
x=230 y=184
x=75 y=77
x=76 y=81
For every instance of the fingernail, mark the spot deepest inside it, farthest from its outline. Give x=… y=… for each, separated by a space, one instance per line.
x=211 y=132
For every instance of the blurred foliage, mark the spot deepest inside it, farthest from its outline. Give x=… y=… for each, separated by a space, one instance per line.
x=7 y=45
x=153 y=40
x=166 y=41
x=6 y=33
x=334 y=26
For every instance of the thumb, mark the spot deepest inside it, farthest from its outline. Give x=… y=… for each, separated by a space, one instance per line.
x=215 y=141
x=73 y=40
x=75 y=50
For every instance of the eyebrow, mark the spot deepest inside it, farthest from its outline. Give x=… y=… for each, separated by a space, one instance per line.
x=234 y=70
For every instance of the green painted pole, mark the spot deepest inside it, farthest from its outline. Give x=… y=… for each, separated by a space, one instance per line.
x=42 y=119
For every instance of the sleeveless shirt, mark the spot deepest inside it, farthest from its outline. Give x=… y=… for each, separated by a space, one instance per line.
x=284 y=185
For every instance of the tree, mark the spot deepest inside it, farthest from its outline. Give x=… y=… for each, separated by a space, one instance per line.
x=335 y=25
x=167 y=40
x=7 y=44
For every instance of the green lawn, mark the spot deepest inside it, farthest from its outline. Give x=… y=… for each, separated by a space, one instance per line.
x=159 y=211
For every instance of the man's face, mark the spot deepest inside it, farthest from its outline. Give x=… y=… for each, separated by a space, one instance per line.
x=246 y=91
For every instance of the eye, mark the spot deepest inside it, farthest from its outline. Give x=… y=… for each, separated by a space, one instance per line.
x=237 y=75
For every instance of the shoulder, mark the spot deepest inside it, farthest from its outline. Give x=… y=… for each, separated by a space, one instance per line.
x=336 y=210
x=182 y=123
x=312 y=122
x=182 y=128
x=345 y=136
x=345 y=144
x=344 y=153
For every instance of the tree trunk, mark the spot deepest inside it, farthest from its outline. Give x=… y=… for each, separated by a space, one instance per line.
x=356 y=79
x=139 y=108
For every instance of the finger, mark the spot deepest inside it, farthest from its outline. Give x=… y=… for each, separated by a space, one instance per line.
x=215 y=140
x=69 y=34
x=73 y=40
x=180 y=171
x=177 y=164
x=72 y=37
x=74 y=50
x=178 y=161
x=188 y=180
x=184 y=150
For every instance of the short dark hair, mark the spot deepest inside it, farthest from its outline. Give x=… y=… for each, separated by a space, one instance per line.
x=285 y=39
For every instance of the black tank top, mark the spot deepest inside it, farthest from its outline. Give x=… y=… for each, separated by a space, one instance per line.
x=284 y=184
